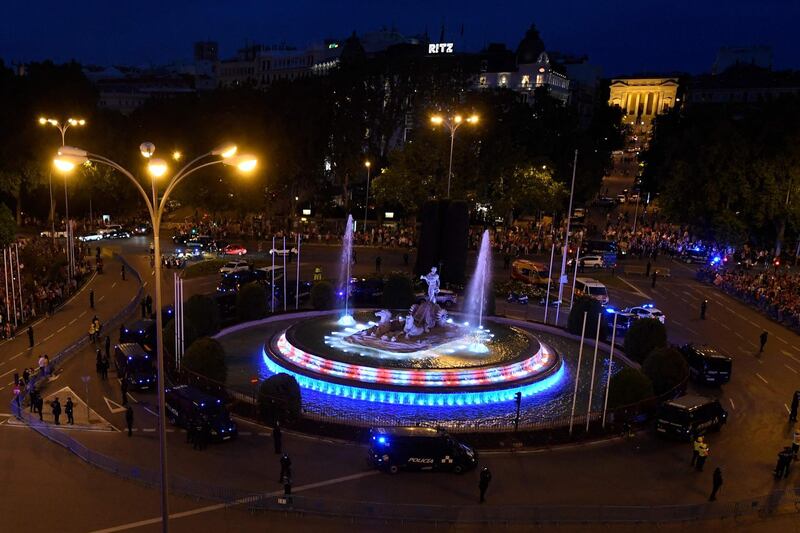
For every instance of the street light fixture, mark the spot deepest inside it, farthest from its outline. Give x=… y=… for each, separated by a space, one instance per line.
x=68 y=158
x=62 y=128
x=452 y=124
x=366 y=202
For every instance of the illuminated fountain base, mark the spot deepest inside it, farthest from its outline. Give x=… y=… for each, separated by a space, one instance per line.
x=458 y=366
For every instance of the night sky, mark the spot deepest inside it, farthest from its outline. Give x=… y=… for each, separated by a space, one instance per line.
x=622 y=37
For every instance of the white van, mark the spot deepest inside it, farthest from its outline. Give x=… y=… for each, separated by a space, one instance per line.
x=592 y=288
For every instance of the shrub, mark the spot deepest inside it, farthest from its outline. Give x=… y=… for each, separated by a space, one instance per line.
x=322 y=296
x=398 y=292
x=592 y=308
x=8 y=227
x=644 y=336
x=202 y=313
x=628 y=386
x=666 y=368
x=279 y=398
x=189 y=336
x=206 y=357
x=251 y=302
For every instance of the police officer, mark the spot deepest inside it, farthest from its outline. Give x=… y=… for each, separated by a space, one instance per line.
x=56 y=407
x=784 y=460
x=795 y=442
x=696 y=452
x=483 y=483
x=286 y=468
x=91 y=298
x=702 y=454
x=716 y=484
x=68 y=407
x=703 y=306
x=317 y=273
x=129 y=419
x=763 y=339
x=40 y=406
x=124 y=389
x=793 y=407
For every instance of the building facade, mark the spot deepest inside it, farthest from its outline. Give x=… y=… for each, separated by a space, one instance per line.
x=643 y=99
x=527 y=77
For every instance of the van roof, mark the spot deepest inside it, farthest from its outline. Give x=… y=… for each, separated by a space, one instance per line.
x=690 y=401
x=194 y=394
x=132 y=349
x=590 y=282
x=141 y=324
x=407 y=431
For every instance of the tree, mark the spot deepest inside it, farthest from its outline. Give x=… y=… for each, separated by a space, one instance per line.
x=206 y=357
x=251 y=302
x=202 y=313
x=593 y=309
x=628 y=386
x=666 y=368
x=644 y=336
x=322 y=295
x=8 y=227
x=279 y=398
x=398 y=293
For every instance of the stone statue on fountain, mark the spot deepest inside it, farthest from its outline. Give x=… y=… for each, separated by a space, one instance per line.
x=432 y=279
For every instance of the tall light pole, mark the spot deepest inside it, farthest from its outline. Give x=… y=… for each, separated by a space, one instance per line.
x=452 y=124
x=62 y=127
x=69 y=157
x=366 y=201
x=562 y=280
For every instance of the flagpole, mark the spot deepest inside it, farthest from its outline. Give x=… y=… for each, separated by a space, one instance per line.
x=608 y=377
x=577 y=374
x=594 y=366
x=549 y=280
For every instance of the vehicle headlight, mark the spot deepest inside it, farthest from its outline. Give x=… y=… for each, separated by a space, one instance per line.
x=213 y=431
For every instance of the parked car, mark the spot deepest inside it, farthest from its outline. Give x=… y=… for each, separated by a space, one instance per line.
x=283 y=251
x=589 y=261
x=89 y=237
x=58 y=234
x=234 y=249
x=234 y=266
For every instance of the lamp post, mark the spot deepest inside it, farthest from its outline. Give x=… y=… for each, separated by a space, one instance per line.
x=366 y=201
x=452 y=124
x=62 y=127
x=69 y=157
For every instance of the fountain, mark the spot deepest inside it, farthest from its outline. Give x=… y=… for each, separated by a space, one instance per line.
x=475 y=296
x=343 y=287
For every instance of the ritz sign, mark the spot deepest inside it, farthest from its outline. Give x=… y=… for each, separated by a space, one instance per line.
x=440 y=48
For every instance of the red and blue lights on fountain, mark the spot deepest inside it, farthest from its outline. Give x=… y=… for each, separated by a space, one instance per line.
x=421 y=356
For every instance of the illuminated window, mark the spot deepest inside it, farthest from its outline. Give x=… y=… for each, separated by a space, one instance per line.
x=539 y=80
x=526 y=81
x=503 y=80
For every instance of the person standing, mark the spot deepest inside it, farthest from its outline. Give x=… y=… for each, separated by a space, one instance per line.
x=793 y=407
x=56 y=409
x=124 y=389
x=104 y=369
x=129 y=419
x=68 y=410
x=654 y=277
x=123 y=272
x=30 y=336
x=277 y=437
x=91 y=298
x=149 y=304
x=795 y=442
x=703 y=306
x=784 y=460
x=647 y=269
x=378 y=264
x=143 y=305
x=696 y=452
x=108 y=347
x=716 y=484
x=483 y=483
x=40 y=406
x=763 y=339
x=702 y=454
x=286 y=468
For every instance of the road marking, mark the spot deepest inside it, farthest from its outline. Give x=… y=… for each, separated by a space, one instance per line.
x=724 y=325
x=782 y=340
x=113 y=406
x=47 y=338
x=7 y=373
x=149 y=430
x=759 y=376
x=246 y=499
x=20 y=353
x=80 y=315
x=790 y=368
x=787 y=408
x=739 y=335
x=73 y=321
x=101 y=298
x=62 y=328
x=733 y=405
x=634 y=287
x=144 y=284
x=790 y=356
x=113 y=284
x=151 y=412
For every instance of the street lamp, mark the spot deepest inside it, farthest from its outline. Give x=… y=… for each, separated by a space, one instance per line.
x=62 y=128
x=452 y=124
x=366 y=202
x=69 y=157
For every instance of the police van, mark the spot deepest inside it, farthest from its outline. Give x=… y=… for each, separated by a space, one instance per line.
x=187 y=405
x=135 y=366
x=418 y=448
x=707 y=364
x=689 y=416
x=592 y=288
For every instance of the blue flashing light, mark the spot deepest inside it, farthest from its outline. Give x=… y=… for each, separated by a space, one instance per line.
x=716 y=259
x=381 y=440
x=610 y=310
x=419 y=398
x=648 y=306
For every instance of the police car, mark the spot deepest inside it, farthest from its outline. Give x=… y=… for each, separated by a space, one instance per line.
x=418 y=448
x=646 y=311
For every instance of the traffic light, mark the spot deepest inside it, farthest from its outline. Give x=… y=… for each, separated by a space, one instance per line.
x=518 y=398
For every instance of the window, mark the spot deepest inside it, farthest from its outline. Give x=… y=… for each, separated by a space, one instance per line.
x=526 y=81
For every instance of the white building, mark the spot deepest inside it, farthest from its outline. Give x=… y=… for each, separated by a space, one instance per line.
x=528 y=77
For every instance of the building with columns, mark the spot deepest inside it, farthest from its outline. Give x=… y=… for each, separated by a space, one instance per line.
x=642 y=99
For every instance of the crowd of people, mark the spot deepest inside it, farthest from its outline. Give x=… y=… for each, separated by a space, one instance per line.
x=41 y=292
